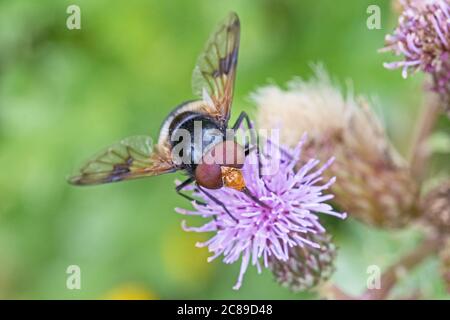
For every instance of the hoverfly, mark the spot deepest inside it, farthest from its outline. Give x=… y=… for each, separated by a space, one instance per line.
x=213 y=79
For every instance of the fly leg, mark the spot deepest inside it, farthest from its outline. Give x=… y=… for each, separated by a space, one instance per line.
x=184 y=184
x=217 y=201
x=254 y=138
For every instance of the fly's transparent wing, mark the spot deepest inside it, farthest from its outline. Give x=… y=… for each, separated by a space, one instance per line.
x=214 y=75
x=132 y=158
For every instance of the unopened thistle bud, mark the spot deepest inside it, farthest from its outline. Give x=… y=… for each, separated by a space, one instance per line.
x=436 y=207
x=307 y=267
x=373 y=183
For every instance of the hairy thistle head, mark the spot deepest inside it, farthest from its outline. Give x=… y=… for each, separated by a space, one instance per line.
x=374 y=184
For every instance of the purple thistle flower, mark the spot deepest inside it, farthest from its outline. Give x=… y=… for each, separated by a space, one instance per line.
x=294 y=196
x=423 y=38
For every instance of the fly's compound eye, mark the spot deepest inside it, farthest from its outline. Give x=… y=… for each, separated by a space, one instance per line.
x=209 y=175
x=227 y=153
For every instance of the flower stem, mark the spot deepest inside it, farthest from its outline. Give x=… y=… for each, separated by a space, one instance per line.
x=334 y=292
x=390 y=276
x=420 y=153
x=408 y=262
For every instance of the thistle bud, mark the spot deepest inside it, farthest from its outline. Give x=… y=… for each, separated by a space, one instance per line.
x=436 y=207
x=306 y=267
x=374 y=183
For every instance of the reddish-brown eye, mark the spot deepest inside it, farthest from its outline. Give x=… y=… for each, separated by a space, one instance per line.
x=226 y=153
x=209 y=175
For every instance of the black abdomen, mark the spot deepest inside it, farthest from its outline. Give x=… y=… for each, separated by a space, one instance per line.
x=191 y=135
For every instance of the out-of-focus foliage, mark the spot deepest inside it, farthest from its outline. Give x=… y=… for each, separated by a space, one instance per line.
x=65 y=93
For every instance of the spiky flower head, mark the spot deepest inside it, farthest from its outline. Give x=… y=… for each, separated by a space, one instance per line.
x=293 y=198
x=422 y=38
x=306 y=268
x=374 y=184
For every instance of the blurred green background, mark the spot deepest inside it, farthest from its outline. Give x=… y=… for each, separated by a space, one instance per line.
x=66 y=93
